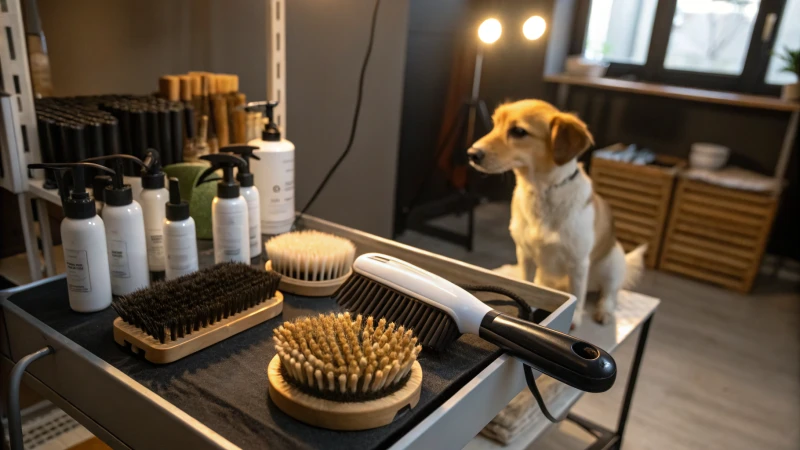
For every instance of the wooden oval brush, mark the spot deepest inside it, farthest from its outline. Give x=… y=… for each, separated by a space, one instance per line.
x=312 y=263
x=340 y=373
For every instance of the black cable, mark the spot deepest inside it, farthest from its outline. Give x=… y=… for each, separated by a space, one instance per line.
x=356 y=114
x=525 y=313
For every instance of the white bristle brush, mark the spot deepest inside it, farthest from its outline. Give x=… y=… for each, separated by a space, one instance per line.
x=312 y=263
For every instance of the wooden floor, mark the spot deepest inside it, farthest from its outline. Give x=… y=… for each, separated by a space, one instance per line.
x=721 y=370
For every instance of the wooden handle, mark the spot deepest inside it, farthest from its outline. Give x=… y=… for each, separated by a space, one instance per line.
x=169 y=86
x=221 y=119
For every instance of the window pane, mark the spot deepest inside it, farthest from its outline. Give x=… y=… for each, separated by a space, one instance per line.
x=619 y=30
x=711 y=35
x=788 y=36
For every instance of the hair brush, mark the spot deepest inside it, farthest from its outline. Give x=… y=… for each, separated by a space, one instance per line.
x=439 y=312
x=344 y=373
x=313 y=263
x=172 y=319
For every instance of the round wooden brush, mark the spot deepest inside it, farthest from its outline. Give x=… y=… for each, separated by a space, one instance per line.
x=337 y=372
x=312 y=263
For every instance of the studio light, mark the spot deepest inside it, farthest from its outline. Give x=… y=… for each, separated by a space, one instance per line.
x=490 y=31
x=533 y=28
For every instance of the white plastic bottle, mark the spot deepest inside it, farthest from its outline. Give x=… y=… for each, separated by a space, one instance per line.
x=180 y=240
x=274 y=176
x=83 y=239
x=127 y=247
x=98 y=188
x=153 y=198
x=229 y=222
x=250 y=193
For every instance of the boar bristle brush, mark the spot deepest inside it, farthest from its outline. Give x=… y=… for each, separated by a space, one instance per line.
x=339 y=372
x=172 y=319
x=313 y=263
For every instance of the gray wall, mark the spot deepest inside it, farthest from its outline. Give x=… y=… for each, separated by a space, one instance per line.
x=325 y=44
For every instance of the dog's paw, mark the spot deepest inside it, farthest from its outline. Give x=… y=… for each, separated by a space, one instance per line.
x=602 y=317
x=576 y=321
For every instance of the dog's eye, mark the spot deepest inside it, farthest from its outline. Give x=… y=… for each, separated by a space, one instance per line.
x=517 y=132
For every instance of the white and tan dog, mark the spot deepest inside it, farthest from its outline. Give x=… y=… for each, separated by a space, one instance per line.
x=562 y=229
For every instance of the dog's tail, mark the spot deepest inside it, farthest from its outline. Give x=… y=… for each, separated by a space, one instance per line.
x=634 y=266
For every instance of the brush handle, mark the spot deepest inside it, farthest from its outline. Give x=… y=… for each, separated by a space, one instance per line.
x=577 y=363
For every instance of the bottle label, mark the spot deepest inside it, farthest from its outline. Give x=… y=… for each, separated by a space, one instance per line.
x=228 y=231
x=118 y=259
x=252 y=216
x=155 y=246
x=78 y=277
x=181 y=256
x=276 y=175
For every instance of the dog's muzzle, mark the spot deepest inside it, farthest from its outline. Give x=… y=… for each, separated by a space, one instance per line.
x=475 y=155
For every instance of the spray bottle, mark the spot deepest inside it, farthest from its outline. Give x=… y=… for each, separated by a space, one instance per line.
x=179 y=235
x=250 y=193
x=83 y=239
x=273 y=173
x=229 y=222
x=153 y=198
x=124 y=221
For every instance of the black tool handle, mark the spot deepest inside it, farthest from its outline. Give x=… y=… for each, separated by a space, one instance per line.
x=568 y=359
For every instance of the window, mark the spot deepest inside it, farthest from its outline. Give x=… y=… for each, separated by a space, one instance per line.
x=717 y=44
x=788 y=37
x=619 y=30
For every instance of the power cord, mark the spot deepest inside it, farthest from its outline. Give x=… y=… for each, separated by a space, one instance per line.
x=356 y=114
x=525 y=313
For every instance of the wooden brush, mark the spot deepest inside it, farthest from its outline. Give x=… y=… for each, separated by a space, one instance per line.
x=175 y=318
x=312 y=263
x=338 y=372
x=439 y=312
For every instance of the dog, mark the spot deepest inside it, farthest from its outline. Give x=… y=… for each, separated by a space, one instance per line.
x=562 y=230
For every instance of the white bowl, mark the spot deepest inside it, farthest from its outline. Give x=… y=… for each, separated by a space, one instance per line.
x=708 y=156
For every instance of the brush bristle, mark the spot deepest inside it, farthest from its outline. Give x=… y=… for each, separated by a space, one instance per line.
x=341 y=358
x=173 y=309
x=434 y=327
x=311 y=255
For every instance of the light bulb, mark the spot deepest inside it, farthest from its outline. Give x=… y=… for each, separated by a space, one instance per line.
x=534 y=27
x=490 y=31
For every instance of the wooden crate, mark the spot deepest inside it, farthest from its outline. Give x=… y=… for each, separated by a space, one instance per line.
x=639 y=197
x=718 y=234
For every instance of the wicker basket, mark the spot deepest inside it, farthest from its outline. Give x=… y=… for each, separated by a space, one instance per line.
x=639 y=196
x=718 y=234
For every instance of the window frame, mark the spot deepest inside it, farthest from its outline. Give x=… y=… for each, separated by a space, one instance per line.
x=751 y=80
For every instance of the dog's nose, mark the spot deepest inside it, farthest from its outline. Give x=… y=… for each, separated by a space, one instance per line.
x=475 y=155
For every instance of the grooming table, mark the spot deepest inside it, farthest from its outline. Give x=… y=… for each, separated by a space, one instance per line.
x=217 y=398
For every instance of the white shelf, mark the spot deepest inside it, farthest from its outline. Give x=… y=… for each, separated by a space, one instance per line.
x=36 y=188
x=632 y=311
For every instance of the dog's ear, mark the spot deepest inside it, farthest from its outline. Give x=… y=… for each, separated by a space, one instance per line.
x=570 y=137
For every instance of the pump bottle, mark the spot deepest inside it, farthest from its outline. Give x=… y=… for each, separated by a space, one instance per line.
x=124 y=223
x=229 y=222
x=83 y=239
x=180 y=241
x=250 y=193
x=99 y=184
x=153 y=198
x=273 y=174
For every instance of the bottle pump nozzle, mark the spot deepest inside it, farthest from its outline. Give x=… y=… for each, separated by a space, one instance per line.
x=119 y=193
x=176 y=208
x=271 y=131
x=244 y=177
x=227 y=186
x=76 y=203
x=152 y=175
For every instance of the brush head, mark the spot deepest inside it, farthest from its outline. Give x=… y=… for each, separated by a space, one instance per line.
x=173 y=309
x=434 y=328
x=311 y=255
x=341 y=358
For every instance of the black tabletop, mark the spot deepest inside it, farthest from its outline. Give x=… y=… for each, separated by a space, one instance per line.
x=225 y=386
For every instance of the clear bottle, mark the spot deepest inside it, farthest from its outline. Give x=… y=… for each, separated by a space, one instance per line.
x=250 y=193
x=83 y=239
x=153 y=198
x=229 y=221
x=180 y=240
x=273 y=174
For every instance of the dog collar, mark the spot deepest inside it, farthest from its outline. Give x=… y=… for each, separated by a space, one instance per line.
x=564 y=181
